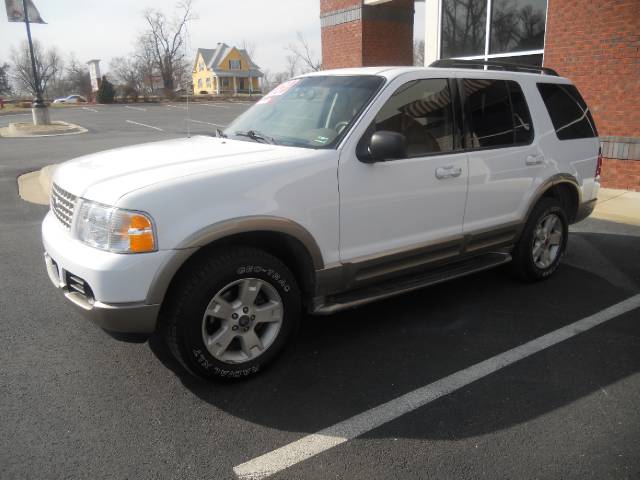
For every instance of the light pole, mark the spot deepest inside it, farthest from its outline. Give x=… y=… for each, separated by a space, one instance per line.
x=39 y=110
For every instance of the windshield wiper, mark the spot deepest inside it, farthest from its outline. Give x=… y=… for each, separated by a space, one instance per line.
x=220 y=133
x=257 y=137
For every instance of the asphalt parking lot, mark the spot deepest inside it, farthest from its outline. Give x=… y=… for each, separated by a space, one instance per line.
x=76 y=403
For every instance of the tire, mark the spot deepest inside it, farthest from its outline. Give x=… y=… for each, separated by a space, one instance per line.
x=211 y=323
x=546 y=230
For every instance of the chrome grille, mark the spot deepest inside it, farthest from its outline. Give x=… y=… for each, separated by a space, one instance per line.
x=62 y=205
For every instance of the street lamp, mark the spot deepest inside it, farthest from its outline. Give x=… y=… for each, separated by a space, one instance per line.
x=39 y=110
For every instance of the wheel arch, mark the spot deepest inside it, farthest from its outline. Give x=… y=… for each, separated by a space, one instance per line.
x=563 y=187
x=283 y=238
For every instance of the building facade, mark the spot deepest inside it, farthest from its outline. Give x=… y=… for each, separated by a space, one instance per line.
x=225 y=70
x=595 y=43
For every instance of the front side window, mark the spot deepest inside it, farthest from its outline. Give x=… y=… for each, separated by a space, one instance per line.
x=569 y=113
x=309 y=112
x=422 y=111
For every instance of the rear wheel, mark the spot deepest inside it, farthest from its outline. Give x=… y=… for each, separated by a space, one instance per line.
x=542 y=243
x=232 y=314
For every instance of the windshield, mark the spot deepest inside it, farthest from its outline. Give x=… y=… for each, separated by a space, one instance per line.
x=309 y=112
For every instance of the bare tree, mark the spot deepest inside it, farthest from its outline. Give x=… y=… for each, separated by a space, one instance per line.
x=127 y=76
x=49 y=66
x=166 y=37
x=5 y=86
x=77 y=77
x=292 y=66
x=418 y=53
x=249 y=47
x=304 y=55
x=146 y=65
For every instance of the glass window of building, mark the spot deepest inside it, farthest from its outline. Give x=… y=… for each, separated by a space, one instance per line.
x=517 y=25
x=510 y=30
x=464 y=25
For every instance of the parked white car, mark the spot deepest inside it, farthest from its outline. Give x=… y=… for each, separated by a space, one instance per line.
x=337 y=189
x=71 y=99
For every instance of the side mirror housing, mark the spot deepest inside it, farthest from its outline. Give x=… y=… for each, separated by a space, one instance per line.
x=385 y=145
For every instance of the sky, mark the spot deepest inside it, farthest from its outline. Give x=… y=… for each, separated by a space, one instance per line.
x=105 y=29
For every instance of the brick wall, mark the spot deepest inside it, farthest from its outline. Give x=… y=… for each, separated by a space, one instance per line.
x=373 y=36
x=596 y=44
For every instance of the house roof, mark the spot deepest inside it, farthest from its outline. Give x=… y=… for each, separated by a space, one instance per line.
x=213 y=57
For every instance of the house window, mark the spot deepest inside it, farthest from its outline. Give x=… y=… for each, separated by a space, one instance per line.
x=208 y=82
x=225 y=82
x=199 y=83
x=235 y=64
x=486 y=29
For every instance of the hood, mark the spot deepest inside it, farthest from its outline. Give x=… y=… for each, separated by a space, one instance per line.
x=106 y=176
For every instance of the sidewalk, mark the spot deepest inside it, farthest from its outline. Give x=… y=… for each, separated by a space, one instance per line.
x=621 y=206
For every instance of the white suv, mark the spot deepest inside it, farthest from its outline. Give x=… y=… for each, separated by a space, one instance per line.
x=337 y=189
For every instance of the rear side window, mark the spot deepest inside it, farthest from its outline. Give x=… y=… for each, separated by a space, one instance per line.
x=569 y=113
x=499 y=114
x=521 y=116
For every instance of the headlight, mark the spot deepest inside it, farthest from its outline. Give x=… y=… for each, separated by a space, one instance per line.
x=114 y=229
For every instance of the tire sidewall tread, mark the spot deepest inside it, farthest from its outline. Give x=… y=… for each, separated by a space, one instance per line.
x=182 y=319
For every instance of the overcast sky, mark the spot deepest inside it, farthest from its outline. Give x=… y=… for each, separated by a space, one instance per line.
x=108 y=28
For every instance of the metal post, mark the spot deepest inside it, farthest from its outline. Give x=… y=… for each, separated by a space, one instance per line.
x=39 y=116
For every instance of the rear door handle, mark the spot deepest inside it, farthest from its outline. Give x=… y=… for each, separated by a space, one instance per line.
x=534 y=159
x=448 y=172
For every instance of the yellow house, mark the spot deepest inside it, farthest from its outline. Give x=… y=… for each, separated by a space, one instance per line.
x=226 y=70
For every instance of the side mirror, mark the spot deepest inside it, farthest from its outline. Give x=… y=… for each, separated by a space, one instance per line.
x=385 y=145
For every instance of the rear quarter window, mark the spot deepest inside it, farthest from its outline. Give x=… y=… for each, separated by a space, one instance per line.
x=569 y=113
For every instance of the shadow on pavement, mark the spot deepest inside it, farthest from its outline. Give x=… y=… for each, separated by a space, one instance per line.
x=341 y=365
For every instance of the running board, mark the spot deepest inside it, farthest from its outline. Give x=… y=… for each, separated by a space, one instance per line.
x=398 y=286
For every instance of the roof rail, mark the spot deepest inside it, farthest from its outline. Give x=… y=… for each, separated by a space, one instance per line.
x=513 y=67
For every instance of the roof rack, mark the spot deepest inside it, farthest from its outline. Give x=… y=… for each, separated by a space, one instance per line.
x=513 y=67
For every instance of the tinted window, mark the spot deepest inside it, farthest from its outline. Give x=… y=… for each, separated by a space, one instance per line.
x=464 y=25
x=491 y=122
x=569 y=113
x=421 y=110
x=517 y=25
x=521 y=117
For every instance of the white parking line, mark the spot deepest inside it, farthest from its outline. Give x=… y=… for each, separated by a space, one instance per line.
x=212 y=105
x=176 y=106
x=136 y=108
x=207 y=123
x=145 y=125
x=91 y=109
x=300 y=450
x=14 y=115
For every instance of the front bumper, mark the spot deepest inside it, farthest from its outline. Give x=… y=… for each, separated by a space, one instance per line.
x=109 y=289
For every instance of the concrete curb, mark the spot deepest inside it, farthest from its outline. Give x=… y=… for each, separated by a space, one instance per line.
x=71 y=129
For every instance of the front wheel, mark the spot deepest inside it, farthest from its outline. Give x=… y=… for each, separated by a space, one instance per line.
x=232 y=313
x=542 y=243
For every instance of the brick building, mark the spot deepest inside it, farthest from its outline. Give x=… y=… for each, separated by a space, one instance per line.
x=595 y=43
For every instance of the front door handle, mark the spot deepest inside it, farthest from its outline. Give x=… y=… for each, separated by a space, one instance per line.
x=448 y=172
x=534 y=159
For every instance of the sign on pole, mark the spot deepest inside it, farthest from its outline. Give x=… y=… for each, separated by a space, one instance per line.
x=15 y=11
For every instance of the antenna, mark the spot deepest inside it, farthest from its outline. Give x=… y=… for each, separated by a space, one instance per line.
x=186 y=53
